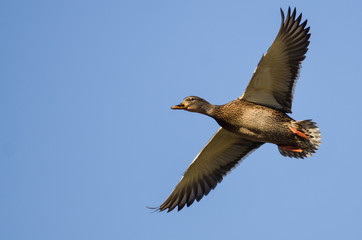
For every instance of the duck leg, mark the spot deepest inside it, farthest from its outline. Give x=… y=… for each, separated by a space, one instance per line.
x=290 y=148
x=300 y=134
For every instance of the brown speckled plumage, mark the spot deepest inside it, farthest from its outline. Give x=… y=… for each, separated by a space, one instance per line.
x=255 y=122
x=257 y=117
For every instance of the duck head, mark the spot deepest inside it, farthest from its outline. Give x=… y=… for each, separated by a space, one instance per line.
x=194 y=104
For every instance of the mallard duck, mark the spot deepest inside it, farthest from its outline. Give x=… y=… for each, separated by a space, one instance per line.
x=258 y=116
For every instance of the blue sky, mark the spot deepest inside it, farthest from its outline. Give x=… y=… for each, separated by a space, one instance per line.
x=88 y=140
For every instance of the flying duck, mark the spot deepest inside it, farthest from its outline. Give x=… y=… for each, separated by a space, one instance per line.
x=258 y=116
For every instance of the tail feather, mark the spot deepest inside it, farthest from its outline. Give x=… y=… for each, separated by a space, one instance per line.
x=310 y=129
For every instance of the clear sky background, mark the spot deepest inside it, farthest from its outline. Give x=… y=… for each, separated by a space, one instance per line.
x=88 y=140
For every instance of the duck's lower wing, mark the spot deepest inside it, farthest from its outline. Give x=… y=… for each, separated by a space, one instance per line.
x=223 y=151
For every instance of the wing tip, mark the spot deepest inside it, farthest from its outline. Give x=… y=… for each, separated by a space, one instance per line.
x=282 y=13
x=290 y=15
x=154 y=209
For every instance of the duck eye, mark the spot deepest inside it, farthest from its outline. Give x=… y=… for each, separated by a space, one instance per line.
x=191 y=99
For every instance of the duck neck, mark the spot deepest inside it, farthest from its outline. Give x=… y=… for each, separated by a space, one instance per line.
x=209 y=110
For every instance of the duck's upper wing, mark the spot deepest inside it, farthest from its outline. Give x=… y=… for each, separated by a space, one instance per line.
x=223 y=151
x=274 y=78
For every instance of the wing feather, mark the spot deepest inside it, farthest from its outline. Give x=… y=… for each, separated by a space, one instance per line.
x=223 y=151
x=274 y=78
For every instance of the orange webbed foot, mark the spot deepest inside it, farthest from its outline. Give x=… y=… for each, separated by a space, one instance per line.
x=291 y=148
x=300 y=134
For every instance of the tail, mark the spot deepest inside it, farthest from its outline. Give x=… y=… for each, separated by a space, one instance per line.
x=310 y=144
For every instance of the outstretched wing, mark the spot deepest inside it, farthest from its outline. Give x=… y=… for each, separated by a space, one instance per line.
x=274 y=78
x=223 y=151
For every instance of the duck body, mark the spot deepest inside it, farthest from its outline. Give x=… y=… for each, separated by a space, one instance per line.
x=256 y=122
